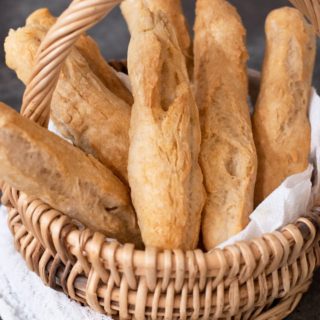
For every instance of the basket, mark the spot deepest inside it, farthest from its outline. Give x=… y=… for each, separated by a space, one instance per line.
x=260 y=279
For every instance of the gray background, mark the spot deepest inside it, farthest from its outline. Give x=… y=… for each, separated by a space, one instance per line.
x=113 y=38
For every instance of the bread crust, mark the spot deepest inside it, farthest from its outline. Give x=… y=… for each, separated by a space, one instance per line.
x=164 y=174
x=228 y=156
x=173 y=10
x=40 y=164
x=87 y=107
x=88 y=48
x=280 y=122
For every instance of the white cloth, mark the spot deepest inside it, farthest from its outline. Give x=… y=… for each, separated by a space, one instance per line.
x=23 y=296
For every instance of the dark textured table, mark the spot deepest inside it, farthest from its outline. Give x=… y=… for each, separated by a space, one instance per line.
x=113 y=39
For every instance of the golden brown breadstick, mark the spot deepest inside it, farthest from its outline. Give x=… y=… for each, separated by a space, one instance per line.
x=42 y=18
x=41 y=164
x=164 y=174
x=228 y=156
x=173 y=9
x=82 y=108
x=280 y=122
x=91 y=52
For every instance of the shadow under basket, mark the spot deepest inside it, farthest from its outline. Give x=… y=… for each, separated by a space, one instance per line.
x=260 y=279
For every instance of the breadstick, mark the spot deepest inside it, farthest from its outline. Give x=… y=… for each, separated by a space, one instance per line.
x=280 y=121
x=42 y=18
x=228 y=156
x=164 y=174
x=174 y=12
x=82 y=108
x=41 y=164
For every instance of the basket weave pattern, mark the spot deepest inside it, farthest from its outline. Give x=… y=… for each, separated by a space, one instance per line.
x=260 y=279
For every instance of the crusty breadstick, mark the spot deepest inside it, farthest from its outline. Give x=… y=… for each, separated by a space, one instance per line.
x=83 y=109
x=42 y=18
x=41 y=164
x=174 y=12
x=164 y=174
x=228 y=156
x=280 y=122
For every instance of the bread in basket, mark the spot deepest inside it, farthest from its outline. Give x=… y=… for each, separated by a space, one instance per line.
x=260 y=279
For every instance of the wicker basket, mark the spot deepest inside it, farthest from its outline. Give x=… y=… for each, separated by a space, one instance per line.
x=260 y=279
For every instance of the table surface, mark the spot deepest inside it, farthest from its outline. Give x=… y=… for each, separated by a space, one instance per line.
x=114 y=45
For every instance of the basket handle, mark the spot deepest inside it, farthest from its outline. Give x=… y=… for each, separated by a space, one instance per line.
x=80 y=16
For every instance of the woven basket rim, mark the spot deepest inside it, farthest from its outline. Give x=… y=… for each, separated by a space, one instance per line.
x=308 y=226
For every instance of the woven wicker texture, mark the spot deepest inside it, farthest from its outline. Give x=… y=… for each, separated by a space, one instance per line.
x=261 y=279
